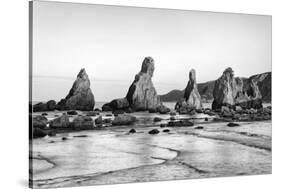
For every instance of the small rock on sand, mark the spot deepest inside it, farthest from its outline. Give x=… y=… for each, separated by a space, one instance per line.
x=232 y=124
x=166 y=130
x=153 y=131
x=132 y=131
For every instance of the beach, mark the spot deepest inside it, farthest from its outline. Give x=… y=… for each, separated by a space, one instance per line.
x=113 y=155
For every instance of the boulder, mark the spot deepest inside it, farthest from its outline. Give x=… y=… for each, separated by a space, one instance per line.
x=99 y=120
x=153 y=131
x=60 y=122
x=157 y=119
x=142 y=94
x=183 y=108
x=132 y=131
x=163 y=109
x=180 y=123
x=117 y=112
x=166 y=130
x=40 y=107
x=80 y=96
x=72 y=112
x=83 y=122
x=39 y=122
x=232 y=124
x=39 y=133
x=117 y=104
x=51 y=105
x=124 y=119
x=230 y=91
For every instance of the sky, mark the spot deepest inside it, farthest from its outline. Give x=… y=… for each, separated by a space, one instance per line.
x=110 y=42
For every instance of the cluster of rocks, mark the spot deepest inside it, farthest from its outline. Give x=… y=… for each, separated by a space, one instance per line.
x=233 y=91
x=42 y=127
x=80 y=97
x=142 y=95
x=234 y=97
x=239 y=114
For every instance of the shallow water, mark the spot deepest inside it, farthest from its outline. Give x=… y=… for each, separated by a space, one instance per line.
x=113 y=156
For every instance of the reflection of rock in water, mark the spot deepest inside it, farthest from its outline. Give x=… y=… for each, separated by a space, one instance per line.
x=185 y=153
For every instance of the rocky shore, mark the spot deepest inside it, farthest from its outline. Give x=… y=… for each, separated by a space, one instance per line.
x=235 y=100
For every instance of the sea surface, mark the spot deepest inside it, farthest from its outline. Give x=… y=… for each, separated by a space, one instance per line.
x=112 y=155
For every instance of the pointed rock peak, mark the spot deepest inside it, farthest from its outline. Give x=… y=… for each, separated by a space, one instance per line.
x=148 y=66
x=228 y=71
x=192 y=75
x=82 y=74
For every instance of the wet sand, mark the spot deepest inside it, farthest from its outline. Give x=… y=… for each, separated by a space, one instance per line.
x=112 y=155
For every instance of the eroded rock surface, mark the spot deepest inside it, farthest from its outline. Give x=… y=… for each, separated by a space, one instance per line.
x=191 y=99
x=80 y=96
x=230 y=91
x=141 y=95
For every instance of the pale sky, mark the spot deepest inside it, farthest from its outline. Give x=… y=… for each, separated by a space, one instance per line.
x=111 y=42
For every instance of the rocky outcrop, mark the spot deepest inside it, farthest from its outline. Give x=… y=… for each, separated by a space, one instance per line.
x=116 y=104
x=141 y=95
x=230 y=91
x=191 y=94
x=49 y=106
x=124 y=119
x=206 y=89
x=80 y=96
x=192 y=98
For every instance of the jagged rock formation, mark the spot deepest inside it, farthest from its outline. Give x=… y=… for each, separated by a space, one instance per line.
x=80 y=96
x=230 y=91
x=141 y=95
x=191 y=94
x=192 y=99
x=206 y=89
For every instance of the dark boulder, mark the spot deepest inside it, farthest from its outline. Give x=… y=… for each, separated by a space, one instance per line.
x=232 y=124
x=166 y=130
x=39 y=133
x=157 y=119
x=72 y=112
x=40 y=107
x=180 y=123
x=132 y=131
x=153 y=131
x=117 y=104
x=39 y=122
x=51 y=105
x=99 y=120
